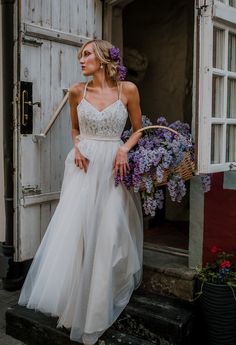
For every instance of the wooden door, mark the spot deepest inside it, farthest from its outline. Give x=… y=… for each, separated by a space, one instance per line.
x=48 y=34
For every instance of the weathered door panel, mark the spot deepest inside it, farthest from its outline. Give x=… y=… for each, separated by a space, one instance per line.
x=49 y=37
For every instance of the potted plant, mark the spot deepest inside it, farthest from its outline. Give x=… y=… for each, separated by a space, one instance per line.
x=216 y=292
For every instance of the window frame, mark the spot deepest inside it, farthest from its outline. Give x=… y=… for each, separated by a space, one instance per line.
x=215 y=14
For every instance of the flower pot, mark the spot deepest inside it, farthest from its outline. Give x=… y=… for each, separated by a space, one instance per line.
x=218 y=309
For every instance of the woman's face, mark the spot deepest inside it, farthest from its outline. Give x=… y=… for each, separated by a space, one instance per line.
x=89 y=61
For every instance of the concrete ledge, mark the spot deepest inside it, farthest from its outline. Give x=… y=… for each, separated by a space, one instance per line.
x=167 y=275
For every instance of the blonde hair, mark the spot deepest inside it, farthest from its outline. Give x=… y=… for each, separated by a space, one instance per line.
x=101 y=50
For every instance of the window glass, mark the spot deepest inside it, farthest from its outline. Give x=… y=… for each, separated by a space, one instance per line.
x=217 y=96
x=218 y=48
x=232 y=52
x=216 y=143
x=232 y=3
x=231 y=98
x=231 y=143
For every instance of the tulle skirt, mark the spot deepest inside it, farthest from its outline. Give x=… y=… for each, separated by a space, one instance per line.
x=90 y=258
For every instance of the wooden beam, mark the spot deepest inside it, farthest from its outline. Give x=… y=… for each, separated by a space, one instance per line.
x=39 y=198
x=33 y=30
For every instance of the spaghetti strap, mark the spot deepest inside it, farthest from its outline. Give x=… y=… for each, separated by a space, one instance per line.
x=85 y=89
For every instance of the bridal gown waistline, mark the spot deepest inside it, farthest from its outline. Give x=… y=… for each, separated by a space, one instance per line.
x=98 y=137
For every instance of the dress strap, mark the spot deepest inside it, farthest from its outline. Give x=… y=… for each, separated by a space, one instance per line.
x=85 y=89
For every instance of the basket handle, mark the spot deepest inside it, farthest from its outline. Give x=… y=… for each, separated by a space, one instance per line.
x=157 y=126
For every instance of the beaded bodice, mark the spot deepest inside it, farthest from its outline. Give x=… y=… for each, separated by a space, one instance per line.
x=109 y=122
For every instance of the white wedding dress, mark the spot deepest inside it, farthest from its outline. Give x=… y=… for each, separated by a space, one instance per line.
x=90 y=258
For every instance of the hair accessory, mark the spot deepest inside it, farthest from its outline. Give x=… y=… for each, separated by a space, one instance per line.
x=114 y=53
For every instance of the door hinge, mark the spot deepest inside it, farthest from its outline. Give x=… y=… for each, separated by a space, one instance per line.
x=30 y=190
x=202 y=9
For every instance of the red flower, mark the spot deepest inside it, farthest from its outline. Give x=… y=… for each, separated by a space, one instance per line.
x=215 y=249
x=225 y=264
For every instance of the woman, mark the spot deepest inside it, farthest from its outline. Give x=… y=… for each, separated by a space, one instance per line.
x=90 y=258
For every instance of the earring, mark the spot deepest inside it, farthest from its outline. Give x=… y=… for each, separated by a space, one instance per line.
x=101 y=66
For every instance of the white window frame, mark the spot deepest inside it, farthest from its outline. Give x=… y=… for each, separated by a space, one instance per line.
x=220 y=15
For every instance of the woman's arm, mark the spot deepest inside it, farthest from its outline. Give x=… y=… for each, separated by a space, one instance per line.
x=73 y=101
x=133 y=105
x=135 y=115
x=75 y=93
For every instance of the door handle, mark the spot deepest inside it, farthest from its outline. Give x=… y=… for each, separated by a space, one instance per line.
x=35 y=103
x=26 y=107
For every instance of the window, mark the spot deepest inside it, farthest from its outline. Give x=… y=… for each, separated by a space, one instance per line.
x=231 y=3
x=217 y=110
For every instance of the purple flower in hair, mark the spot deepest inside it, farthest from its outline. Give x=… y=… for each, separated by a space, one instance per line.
x=122 y=70
x=114 y=54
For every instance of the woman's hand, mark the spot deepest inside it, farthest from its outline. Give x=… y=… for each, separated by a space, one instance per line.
x=80 y=161
x=121 y=162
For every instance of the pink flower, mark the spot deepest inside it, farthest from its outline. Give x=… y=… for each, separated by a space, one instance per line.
x=225 y=264
x=215 y=249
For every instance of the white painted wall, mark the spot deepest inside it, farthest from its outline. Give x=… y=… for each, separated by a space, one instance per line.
x=2 y=210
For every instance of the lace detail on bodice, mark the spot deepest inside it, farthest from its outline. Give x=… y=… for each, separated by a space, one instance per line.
x=108 y=122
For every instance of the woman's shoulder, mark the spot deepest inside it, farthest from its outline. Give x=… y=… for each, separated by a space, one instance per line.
x=129 y=86
x=76 y=89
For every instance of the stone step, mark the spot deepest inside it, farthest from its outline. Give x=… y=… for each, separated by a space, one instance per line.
x=147 y=319
x=160 y=319
x=167 y=274
x=35 y=328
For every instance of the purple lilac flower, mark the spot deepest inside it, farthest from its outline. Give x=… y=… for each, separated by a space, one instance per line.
x=146 y=121
x=159 y=197
x=159 y=174
x=176 y=188
x=157 y=150
x=206 y=182
x=149 y=205
x=162 y=121
x=148 y=182
x=180 y=127
x=122 y=70
x=114 y=53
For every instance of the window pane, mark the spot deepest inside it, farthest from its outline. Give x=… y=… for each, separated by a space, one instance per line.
x=232 y=3
x=231 y=143
x=218 y=48
x=217 y=96
x=216 y=143
x=232 y=52
x=231 y=98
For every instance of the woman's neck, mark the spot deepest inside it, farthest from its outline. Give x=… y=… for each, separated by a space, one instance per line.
x=99 y=81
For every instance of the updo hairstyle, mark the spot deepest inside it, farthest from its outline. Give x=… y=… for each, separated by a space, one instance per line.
x=101 y=50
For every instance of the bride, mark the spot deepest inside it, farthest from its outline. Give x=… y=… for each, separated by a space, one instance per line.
x=90 y=258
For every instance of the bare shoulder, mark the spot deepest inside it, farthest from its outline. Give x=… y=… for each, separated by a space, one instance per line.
x=131 y=92
x=76 y=89
x=75 y=93
x=129 y=88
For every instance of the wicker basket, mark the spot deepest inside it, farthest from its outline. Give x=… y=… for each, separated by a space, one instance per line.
x=185 y=169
